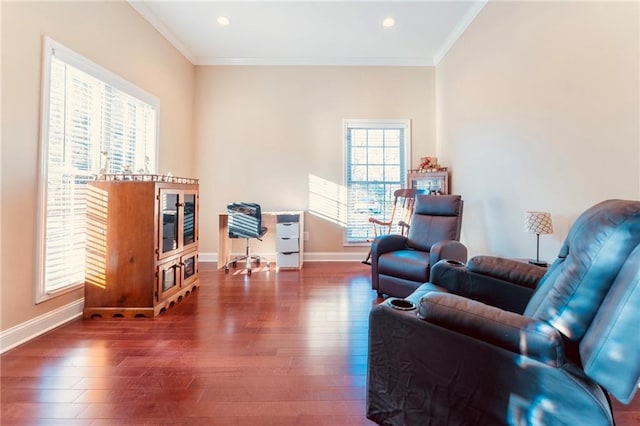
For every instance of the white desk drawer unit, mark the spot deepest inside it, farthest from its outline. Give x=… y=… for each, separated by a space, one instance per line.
x=288 y=260
x=287 y=244
x=288 y=241
x=287 y=229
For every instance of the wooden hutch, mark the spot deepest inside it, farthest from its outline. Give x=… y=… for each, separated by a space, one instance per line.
x=142 y=244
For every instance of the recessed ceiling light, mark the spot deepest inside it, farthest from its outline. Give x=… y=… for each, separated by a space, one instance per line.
x=223 y=20
x=388 y=22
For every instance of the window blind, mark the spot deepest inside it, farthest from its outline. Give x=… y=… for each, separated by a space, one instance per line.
x=376 y=165
x=89 y=120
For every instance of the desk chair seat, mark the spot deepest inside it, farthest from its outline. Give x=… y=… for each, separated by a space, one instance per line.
x=245 y=221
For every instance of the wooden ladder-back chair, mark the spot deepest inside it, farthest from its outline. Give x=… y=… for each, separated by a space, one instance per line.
x=400 y=218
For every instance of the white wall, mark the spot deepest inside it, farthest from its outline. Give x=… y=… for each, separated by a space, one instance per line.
x=262 y=132
x=537 y=109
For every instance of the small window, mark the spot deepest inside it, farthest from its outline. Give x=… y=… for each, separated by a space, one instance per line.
x=377 y=153
x=92 y=122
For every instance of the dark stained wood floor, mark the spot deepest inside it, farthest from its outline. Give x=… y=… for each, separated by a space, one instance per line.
x=278 y=348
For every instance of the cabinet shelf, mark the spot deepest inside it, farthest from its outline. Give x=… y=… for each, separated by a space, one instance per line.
x=432 y=182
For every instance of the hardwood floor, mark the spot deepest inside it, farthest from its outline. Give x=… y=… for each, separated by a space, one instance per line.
x=278 y=348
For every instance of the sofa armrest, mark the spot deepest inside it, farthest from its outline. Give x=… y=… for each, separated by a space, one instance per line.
x=510 y=270
x=387 y=243
x=381 y=245
x=513 y=332
x=459 y=279
x=448 y=249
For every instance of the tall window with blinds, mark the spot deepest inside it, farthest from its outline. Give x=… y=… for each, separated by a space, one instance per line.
x=377 y=153
x=92 y=122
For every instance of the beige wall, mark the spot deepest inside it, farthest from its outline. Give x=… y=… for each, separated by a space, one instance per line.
x=262 y=132
x=537 y=109
x=115 y=36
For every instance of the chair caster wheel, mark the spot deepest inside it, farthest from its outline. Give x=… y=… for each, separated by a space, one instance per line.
x=226 y=269
x=249 y=272
x=235 y=264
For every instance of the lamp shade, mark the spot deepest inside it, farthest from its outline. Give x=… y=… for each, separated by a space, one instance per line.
x=538 y=223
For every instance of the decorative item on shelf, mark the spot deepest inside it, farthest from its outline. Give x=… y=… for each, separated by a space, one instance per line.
x=434 y=188
x=145 y=171
x=141 y=177
x=126 y=171
x=428 y=165
x=538 y=223
x=105 y=167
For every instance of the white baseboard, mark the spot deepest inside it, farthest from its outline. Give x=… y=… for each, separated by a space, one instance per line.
x=28 y=330
x=308 y=257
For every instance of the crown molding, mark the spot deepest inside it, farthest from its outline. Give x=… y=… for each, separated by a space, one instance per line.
x=315 y=61
x=158 y=24
x=459 y=30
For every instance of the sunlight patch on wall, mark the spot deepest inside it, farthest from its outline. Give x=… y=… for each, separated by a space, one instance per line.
x=328 y=200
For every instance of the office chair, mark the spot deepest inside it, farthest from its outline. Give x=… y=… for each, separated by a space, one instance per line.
x=245 y=221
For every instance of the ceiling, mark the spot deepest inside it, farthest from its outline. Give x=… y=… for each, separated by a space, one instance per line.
x=311 y=32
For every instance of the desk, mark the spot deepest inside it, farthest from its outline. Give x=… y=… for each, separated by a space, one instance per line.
x=284 y=238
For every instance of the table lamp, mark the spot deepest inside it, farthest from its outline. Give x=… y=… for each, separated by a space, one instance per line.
x=538 y=223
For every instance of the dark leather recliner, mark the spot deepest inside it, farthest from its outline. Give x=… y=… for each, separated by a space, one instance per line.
x=483 y=348
x=400 y=264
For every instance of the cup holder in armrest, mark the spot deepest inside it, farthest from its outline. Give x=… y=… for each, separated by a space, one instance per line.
x=453 y=262
x=401 y=304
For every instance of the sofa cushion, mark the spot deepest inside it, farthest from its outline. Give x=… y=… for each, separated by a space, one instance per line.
x=435 y=218
x=412 y=265
x=509 y=270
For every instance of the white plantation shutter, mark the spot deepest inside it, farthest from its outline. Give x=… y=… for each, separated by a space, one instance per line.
x=86 y=111
x=377 y=153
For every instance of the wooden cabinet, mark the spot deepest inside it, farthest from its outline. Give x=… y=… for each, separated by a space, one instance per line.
x=142 y=245
x=432 y=182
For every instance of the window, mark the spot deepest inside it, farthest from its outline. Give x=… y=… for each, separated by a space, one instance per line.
x=377 y=153
x=91 y=120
